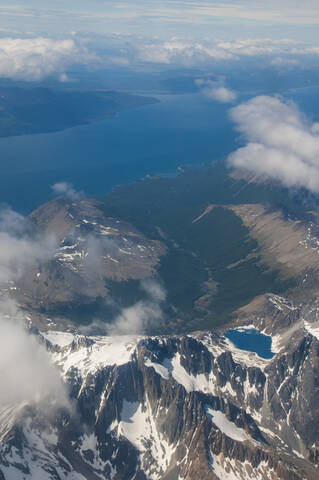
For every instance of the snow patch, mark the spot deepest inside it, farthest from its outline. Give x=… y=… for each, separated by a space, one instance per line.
x=92 y=353
x=250 y=359
x=313 y=329
x=160 y=369
x=138 y=425
x=231 y=469
x=61 y=339
x=191 y=383
x=226 y=426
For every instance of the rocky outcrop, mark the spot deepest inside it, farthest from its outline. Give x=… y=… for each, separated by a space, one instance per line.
x=173 y=408
x=91 y=251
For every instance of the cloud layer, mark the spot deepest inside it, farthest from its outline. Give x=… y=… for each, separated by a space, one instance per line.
x=33 y=59
x=280 y=142
x=179 y=51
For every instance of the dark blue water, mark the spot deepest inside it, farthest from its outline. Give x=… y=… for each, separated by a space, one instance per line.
x=307 y=98
x=251 y=340
x=180 y=130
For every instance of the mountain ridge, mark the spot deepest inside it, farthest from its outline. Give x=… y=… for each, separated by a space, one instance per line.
x=154 y=397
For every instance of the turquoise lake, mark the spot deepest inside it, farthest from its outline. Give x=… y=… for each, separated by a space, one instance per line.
x=251 y=340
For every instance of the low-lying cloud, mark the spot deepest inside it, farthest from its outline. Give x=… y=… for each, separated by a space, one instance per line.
x=283 y=62
x=123 y=50
x=35 y=58
x=138 y=318
x=216 y=91
x=32 y=59
x=20 y=247
x=280 y=142
x=185 y=52
x=180 y=52
x=66 y=189
x=26 y=373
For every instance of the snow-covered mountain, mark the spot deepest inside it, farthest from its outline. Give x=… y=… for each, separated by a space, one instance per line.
x=174 y=408
x=166 y=407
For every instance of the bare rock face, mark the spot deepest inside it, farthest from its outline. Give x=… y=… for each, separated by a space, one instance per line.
x=291 y=246
x=92 y=249
x=179 y=407
x=172 y=408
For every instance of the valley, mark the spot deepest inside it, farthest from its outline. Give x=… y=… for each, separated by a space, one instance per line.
x=135 y=307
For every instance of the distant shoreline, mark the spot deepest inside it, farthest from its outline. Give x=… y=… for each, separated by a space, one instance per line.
x=83 y=108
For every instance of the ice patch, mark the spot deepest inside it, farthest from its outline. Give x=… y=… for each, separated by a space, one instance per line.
x=99 y=351
x=228 y=428
x=61 y=339
x=160 y=369
x=313 y=329
x=226 y=469
x=250 y=359
x=191 y=383
x=139 y=427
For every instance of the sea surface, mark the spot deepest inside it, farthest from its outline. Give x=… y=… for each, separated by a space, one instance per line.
x=251 y=340
x=154 y=139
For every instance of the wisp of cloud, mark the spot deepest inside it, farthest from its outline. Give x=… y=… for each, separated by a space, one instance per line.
x=18 y=248
x=66 y=189
x=137 y=318
x=216 y=90
x=26 y=372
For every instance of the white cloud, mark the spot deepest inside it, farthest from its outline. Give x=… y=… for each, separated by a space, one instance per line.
x=281 y=143
x=221 y=94
x=12 y=222
x=216 y=91
x=134 y=319
x=33 y=59
x=17 y=254
x=26 y=372
x=66 y=189
x=139 y=317
x=257 y=46
x=154 y=290
x=284 y=62
x=27 y=375
x=178 y=51
x=19 y=249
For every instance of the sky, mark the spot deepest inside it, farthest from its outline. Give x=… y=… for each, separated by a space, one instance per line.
x=196 y=18
x=39 y=38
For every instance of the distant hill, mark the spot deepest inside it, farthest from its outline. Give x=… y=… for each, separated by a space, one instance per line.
x=41 y=110
x=213 y=242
